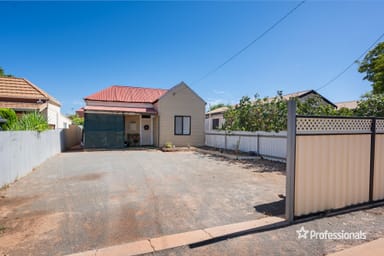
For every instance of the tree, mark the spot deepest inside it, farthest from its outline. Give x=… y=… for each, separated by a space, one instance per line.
x=371 y=105
x=2 y=74
x=76 y=119
x=270 y=114
x=373 y=66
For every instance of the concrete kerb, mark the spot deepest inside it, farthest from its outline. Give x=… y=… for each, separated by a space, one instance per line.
x=192 y=238
x=373 y=248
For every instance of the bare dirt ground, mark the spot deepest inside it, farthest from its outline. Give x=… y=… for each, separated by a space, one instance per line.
x=86 y=200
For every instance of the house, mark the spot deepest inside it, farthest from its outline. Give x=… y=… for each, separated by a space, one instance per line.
x=347 y=104
x=215 y=119
x=23 y=96
x=120 y=116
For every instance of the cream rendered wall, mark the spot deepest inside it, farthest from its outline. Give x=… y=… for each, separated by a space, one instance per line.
x=156 y=131
x=181 y=101
x=64 y=122
x=53 y=114
x=54 y=117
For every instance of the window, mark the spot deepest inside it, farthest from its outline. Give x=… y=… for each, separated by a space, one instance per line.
x=215 y=123
x=182 y=125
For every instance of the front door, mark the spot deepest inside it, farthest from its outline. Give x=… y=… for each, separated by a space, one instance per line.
x=146 y=130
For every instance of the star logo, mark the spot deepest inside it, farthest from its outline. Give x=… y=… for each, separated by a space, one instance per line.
x=302 y=233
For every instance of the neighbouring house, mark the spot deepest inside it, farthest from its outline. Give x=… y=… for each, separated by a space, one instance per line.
x=80 y=112
x=23 y=96
x=121 y=116
x=215 y=119
x=347 y=104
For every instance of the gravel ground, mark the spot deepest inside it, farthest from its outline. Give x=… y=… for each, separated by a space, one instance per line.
x=85 y=200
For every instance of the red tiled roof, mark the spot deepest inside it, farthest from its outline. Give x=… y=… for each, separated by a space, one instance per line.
x=121 y=109
x=127 y=94
x=20 y=88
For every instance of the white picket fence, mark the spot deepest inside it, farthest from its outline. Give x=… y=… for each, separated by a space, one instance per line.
x=270 y=145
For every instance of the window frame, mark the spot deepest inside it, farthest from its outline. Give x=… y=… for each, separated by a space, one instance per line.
x=182 y=125
x=214 y=120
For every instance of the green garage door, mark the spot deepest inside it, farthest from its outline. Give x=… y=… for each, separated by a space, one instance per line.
x=103 y=131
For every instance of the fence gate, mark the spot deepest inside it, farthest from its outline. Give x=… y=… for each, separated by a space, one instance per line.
x=333 y=163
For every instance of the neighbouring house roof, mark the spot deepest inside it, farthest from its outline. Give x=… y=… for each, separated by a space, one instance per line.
x=217 y=110
x=347 y=104
x=80 y=112
x=131 y=94
x=121 y=109
x=18 y=89
x=302 y=94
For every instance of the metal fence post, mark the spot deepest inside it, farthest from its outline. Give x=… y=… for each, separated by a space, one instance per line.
x=372 y=159
x=290 y=167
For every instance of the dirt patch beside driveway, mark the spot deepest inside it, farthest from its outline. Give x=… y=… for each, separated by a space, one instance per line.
x=86 y=200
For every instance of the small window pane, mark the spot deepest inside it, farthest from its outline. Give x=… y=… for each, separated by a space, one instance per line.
x=178 y=125
x=186 y=125
x=215 y=123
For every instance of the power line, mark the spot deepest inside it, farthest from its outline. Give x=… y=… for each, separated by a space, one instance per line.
x=350 y=65
x=251 y=43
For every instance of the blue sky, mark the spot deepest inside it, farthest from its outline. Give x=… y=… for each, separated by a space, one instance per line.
x=73 y=49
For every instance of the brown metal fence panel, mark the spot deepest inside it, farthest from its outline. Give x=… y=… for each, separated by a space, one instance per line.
x=332 y=163
x=332 y=171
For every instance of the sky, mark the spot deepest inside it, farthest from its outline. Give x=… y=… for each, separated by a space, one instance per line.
x=74 y=49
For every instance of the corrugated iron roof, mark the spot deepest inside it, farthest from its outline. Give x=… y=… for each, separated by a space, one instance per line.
x=347 y=104
x=296 y=94
x=20 y=88
x=218 y=110
x=121 y=109
x=117 y=93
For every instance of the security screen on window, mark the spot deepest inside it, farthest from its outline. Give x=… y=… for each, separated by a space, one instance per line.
x=182 y=125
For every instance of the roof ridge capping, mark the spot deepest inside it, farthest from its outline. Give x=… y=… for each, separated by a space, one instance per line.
x=139 y=87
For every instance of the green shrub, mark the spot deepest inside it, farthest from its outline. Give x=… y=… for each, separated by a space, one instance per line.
x=9 y=115
x=30 y=122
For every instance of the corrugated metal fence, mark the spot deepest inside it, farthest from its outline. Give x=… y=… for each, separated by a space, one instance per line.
x=21 y=151
x=267 y=144
x=334 y=163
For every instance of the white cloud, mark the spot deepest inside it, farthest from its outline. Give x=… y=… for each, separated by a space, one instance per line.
x=218 y=92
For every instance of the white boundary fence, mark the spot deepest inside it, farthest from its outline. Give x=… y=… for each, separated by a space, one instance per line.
x=21 y=151
x=267 y=144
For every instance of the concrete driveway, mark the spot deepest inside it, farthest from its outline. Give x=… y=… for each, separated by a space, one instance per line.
x=85 y=200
